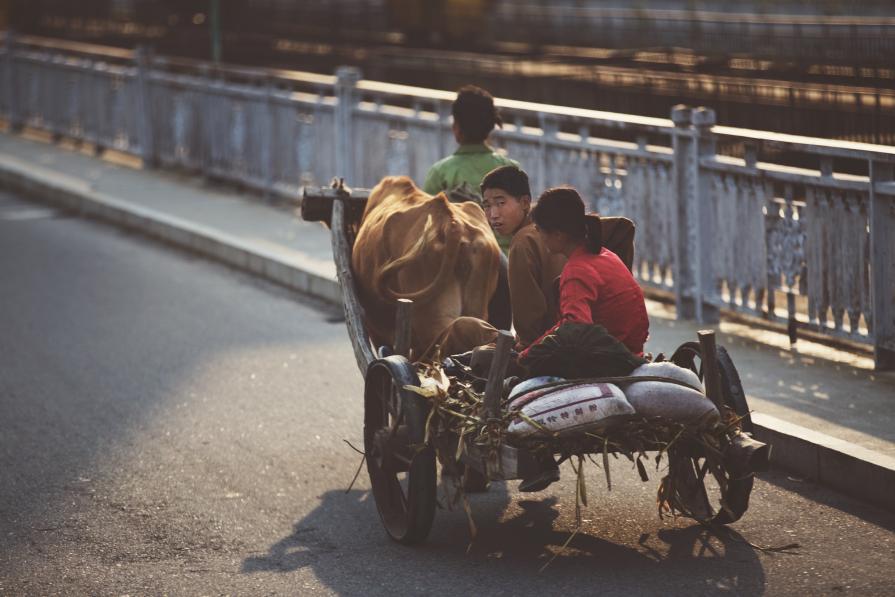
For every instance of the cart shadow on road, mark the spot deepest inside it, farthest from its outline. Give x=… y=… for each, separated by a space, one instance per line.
x=516 y=537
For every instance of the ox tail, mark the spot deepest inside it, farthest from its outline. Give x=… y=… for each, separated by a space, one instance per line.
x=451 y=250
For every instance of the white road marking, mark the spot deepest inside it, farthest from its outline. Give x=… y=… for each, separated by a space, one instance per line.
x=28 y=213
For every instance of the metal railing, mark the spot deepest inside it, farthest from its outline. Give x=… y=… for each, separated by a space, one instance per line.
x=722 y=221
x=855 y=39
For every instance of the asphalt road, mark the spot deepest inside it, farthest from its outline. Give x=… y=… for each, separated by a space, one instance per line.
x=171 y=426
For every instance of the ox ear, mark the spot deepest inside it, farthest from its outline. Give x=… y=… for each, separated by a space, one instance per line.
x=441 y=202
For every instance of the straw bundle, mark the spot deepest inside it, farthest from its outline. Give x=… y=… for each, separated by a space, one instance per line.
x=456 y=420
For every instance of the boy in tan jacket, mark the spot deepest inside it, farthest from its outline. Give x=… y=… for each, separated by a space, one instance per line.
x=506 y=198
x=533 y=270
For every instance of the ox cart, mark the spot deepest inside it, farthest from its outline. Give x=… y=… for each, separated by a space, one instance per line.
x=710 y=475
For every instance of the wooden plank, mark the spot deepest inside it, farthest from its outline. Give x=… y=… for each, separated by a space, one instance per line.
x=497 y=373
x=402 y=327
x=317 y=203
x=711 y=378
x=354 y=319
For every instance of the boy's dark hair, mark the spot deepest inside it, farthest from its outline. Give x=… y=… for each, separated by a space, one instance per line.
x=475 y=113
x=511 y=179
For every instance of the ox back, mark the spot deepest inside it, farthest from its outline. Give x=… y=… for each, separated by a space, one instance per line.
x=439 y=254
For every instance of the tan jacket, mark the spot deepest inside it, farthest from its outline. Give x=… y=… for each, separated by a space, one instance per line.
x=532 y=271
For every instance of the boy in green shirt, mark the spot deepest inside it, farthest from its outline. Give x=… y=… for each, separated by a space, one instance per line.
x=460 y=174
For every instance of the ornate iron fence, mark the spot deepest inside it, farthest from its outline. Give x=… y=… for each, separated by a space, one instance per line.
x=722 y=222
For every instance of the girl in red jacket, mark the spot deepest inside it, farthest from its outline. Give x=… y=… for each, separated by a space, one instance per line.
x=595 y=285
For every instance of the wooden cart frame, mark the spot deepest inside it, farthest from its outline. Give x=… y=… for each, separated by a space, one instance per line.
x=402 y=465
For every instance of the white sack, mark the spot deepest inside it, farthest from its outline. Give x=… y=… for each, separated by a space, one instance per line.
x=671 y=401
x=524 y=387
x=571 y=407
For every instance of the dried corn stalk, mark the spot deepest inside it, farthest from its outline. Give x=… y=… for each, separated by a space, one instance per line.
x=456 y=418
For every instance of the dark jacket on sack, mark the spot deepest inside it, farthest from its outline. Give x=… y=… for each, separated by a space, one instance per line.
x=580 y=350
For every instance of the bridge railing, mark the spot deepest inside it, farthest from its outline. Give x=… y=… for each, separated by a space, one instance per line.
x=722 y=222
x=750 y=29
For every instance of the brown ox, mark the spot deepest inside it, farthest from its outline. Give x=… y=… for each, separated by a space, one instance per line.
x=439 y=254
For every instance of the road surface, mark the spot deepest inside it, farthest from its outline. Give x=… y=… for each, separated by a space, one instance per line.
x=172 y=426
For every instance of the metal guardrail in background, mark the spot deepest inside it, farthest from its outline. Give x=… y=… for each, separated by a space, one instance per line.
x=754 y=29
x=746 y=233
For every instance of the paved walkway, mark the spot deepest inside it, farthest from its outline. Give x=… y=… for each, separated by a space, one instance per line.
x=825 y=390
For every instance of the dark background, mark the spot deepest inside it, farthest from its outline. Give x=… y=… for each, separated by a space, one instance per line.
x=814 y=67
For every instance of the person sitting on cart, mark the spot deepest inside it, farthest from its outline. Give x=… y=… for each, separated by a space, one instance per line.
x=459 y=175
x=533 y=269
x=596 y=286
x=506 y=198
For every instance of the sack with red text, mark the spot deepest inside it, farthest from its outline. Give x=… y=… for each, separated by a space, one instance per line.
x=569 y=409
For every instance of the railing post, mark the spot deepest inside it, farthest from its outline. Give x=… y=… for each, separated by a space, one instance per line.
x=707 y=300
x=882 y=267
x=549 y=128
x=13 y=116
x=445 y=132
x=208 y=110
x=692 y=214
x=269 y=153
x=683 y=223
x=346 y=94
x=144 y=106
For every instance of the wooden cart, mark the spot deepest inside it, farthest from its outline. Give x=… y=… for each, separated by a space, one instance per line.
x=402 y=464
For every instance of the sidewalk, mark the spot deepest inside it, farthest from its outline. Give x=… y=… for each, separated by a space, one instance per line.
x=182 y=202
x=822 y=398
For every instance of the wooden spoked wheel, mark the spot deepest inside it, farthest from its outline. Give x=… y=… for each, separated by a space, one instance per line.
x=712 y=493
x=401 y=466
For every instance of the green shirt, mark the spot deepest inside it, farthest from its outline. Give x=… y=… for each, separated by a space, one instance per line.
x=460 y=175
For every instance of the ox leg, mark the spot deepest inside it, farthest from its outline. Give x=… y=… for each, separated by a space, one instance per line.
x=432 y=318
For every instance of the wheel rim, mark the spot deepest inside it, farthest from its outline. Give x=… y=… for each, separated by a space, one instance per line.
x=394 y=462
x=710 y=493
x=707 y=493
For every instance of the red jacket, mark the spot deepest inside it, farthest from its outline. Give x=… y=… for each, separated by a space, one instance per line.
x=600 y=289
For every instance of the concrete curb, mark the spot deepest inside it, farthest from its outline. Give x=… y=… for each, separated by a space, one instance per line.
x=74 y=195
x=836 y=463
x=841 y=465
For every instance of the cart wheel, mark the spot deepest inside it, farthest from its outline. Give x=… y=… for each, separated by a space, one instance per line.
x=711 y=494
x=401 y=467
x=689 y=356
x=707 y=493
